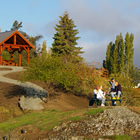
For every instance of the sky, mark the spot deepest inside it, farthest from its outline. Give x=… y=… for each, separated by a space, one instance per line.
x=98 y=21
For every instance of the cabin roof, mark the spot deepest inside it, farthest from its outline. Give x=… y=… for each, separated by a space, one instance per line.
x=7 y=37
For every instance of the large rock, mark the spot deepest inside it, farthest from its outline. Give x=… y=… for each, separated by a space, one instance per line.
x=30 y=103
x=34 y=97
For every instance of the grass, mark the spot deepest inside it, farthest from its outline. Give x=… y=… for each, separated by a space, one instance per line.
x=94 y=111
x=8 y=113
x=118 y=137
x=76 y=118
x=46 y=119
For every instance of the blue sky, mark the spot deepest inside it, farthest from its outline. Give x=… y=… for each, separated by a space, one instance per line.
x=98 y=21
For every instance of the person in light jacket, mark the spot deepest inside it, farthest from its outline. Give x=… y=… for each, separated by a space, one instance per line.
x=101 y=96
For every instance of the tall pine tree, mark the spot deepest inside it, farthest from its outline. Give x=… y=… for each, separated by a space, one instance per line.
x=65 y=39
x=115 y=55
x=129 y=51
x=107 y=62
x=120 y=55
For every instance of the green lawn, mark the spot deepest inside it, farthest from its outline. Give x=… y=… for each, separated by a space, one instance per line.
x=46 y=119
x=118 y=137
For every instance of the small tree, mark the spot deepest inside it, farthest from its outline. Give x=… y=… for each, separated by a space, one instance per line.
x=44 y=50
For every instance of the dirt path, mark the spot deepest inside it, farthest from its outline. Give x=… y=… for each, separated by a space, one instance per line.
x=58 y=100
x=34 y=93
x=16 y=82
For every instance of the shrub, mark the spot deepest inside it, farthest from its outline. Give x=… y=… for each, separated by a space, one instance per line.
x=79 y=78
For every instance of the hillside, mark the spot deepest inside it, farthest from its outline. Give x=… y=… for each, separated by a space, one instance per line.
x=58 y=100
x=61 y=107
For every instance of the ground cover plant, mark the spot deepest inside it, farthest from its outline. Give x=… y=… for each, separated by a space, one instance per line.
x=118 y=137
x=7 y=114
x=46 y=119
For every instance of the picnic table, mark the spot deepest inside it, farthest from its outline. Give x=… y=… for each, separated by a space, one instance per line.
x=109 y=98
x=8 y=62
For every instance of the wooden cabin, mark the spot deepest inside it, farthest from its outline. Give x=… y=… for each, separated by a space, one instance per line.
x=13 y=41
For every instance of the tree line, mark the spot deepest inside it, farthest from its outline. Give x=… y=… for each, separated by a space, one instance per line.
x=63 y=67
x=119 y=55
x=65 y=41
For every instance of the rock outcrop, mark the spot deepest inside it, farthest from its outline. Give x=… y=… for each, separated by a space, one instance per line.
x=117 y=121
x=35 y=95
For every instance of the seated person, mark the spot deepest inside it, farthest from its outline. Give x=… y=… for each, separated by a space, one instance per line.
x=101 y=96
x=104 y=93
x=91 y=102
x=117 y=91
x=112 y=83
x=98 y=94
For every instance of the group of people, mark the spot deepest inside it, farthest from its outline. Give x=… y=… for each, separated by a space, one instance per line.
x=100 y=95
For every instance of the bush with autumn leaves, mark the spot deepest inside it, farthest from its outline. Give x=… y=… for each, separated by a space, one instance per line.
x=78 y=78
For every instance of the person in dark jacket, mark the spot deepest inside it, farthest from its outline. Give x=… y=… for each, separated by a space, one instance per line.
x=117 y=91
x=91 y=102
x=112 y=83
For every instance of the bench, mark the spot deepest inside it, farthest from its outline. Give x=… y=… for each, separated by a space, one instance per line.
x=8 y=62
x=97 y=101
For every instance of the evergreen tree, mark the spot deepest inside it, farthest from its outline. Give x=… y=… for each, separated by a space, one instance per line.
x=44 y=50
x=115 y=55
x=120 y=55
x=129 y=51
x=16 y=25
x=107 y=62
x=65 y=39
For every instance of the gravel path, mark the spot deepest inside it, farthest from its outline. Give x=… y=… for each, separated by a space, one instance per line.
x=34 y=93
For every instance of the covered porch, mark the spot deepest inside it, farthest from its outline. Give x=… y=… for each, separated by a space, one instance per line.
x=13 y=41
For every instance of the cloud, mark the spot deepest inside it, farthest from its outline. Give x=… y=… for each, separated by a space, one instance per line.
x=34 y=3
x=105 y=21
x=137 y=49
x=94 y=52
x=99 y=22
x=50 y=28
x=31 y=28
